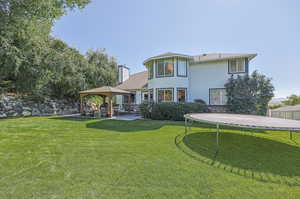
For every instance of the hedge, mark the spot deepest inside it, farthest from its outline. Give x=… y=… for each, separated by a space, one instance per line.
x=171 y=110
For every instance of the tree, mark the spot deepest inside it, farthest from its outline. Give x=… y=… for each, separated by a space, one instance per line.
x=102 y=69
x=66 y=71
x=34 y=63
x=25 y=27
x=249 y=94
x=292 y=100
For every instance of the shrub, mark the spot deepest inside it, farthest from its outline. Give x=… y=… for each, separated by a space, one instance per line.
x=171 y=110
x=249 y=94
x=6 y=86
x=201 y=101
x=292 y=100
x=146 y=109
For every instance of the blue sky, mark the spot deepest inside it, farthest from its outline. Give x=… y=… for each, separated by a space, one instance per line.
x=133 y=30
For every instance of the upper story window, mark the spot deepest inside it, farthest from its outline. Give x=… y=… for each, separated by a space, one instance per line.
x=165 y=68
x=150 y=71
x=182 y=67
x=237 y=66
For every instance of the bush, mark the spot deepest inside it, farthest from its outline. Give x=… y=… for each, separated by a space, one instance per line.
x=292 y=100
x=171 y=110
x=6 y=86
x=201 y=101
x=146 y=109
x=249 y=94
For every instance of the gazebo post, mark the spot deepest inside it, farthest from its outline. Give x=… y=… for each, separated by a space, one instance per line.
x=110 y=106
x=129 y=103
x=81 y=105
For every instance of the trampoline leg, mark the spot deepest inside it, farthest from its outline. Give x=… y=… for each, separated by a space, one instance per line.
x=291 y=135
x=185 y=125
x=217 y=137
x=190 y=125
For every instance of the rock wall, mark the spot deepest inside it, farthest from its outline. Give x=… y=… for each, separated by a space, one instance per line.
x=11 y=106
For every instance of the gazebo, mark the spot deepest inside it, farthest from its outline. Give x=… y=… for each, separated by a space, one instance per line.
x=105 y=91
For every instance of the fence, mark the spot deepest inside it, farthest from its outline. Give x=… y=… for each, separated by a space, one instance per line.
x=294 y=115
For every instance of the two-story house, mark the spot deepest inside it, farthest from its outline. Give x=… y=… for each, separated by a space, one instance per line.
x=173 y=77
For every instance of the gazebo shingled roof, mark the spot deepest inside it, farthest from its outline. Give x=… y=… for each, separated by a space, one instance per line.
x=105 y=90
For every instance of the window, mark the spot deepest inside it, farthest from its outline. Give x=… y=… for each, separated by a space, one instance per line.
x=127 y=99
x=217 y=96
x=182 y=68
x=150 y=95
x=160 y=68
x=145 y=96
x=150 y=71
x=181 y=94
x=164 y=95
x=237 y=66
x=165 y=68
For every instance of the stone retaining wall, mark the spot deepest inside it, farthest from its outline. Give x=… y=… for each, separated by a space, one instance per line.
x=11 y=106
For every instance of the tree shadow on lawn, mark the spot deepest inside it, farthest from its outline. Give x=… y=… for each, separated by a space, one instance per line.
x=71 y=118
x=145 y=125
x=141 y=125
x=132 y=125
x=118 y=125
x=256 y=157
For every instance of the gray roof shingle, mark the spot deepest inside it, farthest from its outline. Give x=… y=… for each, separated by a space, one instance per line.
x=220 y=56
x=135 y=81
x=204 y=57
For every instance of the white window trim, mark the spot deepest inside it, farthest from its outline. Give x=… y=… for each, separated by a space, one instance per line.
x=186 y=67
x=149 y=73
x=210 y=98
x=185 y=89
x=164 y=89
x=164 y=68
x=149 y=94
x=236 y=66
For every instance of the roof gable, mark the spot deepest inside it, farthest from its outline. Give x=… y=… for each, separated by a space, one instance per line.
x=135 y=81
x=167 y=55
x=220 y=56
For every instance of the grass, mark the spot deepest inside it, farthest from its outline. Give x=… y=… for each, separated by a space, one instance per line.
x=52 y=157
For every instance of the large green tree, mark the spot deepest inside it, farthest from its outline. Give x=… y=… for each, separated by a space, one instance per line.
x=292 y=100
x=25 y=40
x=34 y=63
x=102 y=68
x=249 y=94
x=65 y=71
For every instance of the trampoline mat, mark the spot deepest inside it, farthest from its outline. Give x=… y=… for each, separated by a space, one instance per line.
x=247 y=121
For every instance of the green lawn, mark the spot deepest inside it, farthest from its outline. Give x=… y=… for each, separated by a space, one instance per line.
x=51 y=157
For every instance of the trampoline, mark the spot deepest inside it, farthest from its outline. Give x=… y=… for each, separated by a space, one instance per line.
x=243 y=121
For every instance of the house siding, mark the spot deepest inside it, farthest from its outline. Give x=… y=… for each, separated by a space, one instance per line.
x=169 y=82
x=200 y=78
x=204 y=76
